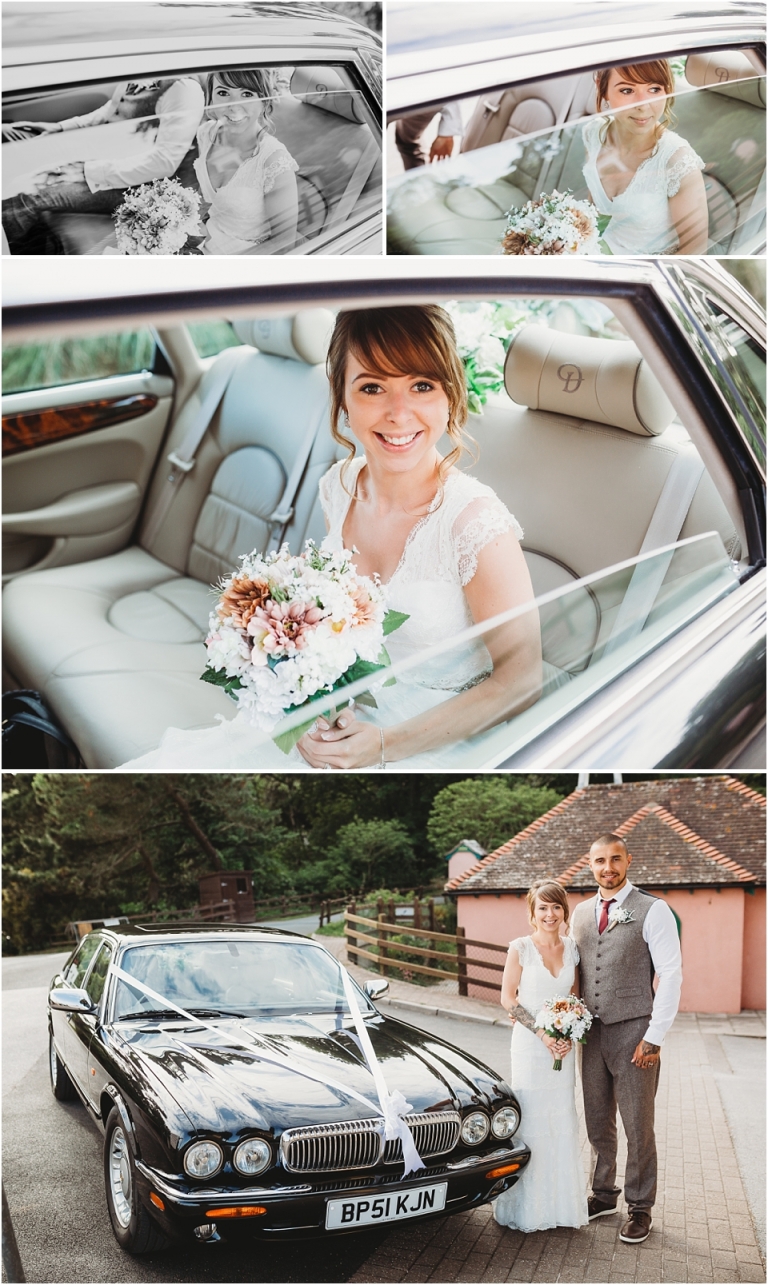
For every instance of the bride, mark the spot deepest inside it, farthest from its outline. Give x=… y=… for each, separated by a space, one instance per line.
x=552 y=1191
x=245 y=174
x=444 y=546
x=647 y=178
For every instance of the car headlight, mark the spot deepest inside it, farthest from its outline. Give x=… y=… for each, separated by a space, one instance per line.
x=253 y=1156
x=505 y=1122
x=475 y=1128
x=203 y=1158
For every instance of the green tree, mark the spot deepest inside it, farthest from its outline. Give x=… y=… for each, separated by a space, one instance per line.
x=489 y=809
x=365 y=855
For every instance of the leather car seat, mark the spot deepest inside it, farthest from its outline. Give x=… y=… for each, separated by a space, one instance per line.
x=124 y=659
x=579 y=451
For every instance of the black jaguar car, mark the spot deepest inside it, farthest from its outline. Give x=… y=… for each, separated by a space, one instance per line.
x=223 y=1065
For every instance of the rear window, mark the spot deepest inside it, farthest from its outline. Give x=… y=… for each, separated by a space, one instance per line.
x=72 y=361
x=211 y=337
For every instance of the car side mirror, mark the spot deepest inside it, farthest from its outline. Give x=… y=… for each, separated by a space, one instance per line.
x=375 y=989
x=70 y=999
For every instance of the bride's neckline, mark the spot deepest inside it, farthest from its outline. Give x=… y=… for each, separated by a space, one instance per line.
x=541 y=957
x=417 y=526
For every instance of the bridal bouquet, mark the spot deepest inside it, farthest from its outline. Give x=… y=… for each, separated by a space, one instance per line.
x=157 y=218
x=565 y=1017
x=555 y=224
x=290 y=629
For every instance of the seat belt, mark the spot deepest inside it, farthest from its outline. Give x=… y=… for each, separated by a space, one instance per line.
x=664 y=529
x=360 y=175
x=182 y=460
x=285 y=509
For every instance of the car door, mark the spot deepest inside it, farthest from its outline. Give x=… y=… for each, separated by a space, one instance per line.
x=82 y=1026
x=83 y=420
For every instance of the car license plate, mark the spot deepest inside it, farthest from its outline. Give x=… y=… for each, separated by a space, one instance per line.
x=361 y=1210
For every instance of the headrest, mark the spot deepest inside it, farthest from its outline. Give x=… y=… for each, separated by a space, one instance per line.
x=323 y=87
x=601 y=380
x=729 y=72
x=304 y=337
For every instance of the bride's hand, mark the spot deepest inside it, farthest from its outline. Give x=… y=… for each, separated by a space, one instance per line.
x=347 y=744
x=558 y=1048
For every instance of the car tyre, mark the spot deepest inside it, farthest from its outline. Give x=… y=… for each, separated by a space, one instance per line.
x=61 y=1086
x=134 y=1228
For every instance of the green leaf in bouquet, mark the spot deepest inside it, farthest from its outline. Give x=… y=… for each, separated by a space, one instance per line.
x=604 y=247
x=602 y=223
x=285 y=741
x=365 y=698
x=220 y=678
x=393 y=620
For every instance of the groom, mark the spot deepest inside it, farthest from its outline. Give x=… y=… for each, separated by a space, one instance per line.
x=624 y=936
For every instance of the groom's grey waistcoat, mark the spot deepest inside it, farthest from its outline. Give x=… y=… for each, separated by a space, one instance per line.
x=616 y=969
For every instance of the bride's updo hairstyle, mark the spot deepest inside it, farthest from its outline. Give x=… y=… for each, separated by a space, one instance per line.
x=404 y=340
x=656 y=72
x=551 y=891
x=259 y=80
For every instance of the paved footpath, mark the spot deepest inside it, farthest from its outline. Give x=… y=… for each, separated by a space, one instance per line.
x=709 y=1220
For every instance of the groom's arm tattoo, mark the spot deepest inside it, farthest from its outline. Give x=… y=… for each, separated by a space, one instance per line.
x=522 y=1016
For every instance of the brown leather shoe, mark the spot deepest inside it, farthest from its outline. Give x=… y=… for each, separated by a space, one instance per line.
x=599 y=1209
x=637 y=1227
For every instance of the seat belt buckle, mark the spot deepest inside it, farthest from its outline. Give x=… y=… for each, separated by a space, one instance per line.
x=282 y=518
x=184 y=466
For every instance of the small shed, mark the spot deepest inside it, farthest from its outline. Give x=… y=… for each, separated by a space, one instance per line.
x=697 y=841
x=229 y=885
x=465 y=855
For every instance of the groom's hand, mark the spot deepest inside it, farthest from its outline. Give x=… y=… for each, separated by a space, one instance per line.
x=646 y=1055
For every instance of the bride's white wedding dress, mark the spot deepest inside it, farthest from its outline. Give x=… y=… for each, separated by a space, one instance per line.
x=641 y=220
x=237 y=219
x=552 y=1191
x=439 y=559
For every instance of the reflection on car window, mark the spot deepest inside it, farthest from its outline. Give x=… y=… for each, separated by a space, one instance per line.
x=98 y=975
x=78 y=967
x=244 y=160
x=243 y=976
x=210 y=337
x=527 y=143
x=71 y=361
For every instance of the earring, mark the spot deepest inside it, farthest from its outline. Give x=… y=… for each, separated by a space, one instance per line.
x=346 y=418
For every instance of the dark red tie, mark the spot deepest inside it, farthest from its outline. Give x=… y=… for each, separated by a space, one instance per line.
x=603 y=924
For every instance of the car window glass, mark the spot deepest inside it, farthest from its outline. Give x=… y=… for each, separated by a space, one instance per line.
x=72 y=361
x=98 y=975
x=527 y=143
x=234 y=160
x=592 y=630
x=243 y=976
x=78 y=967
x=211 y=337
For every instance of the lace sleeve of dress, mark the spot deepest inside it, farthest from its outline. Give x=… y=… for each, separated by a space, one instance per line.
x=327 y=486
x=280 y=162
x=479 y=522
x=591 y=136
x=574 y=950
x=521 y=945
x=682 y=163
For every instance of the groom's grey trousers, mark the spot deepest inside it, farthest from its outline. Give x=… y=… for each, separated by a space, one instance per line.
x=609 y=1079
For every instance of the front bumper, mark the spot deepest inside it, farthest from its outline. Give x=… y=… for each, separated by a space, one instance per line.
x=299 y=1209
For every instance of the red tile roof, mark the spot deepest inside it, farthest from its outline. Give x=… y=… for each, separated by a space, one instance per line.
x=687 y=831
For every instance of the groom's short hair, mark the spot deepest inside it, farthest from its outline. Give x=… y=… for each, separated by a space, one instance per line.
x=605 y=841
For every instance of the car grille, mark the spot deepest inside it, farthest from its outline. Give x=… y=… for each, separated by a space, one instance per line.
x=434 y=1133
x=323 y=1148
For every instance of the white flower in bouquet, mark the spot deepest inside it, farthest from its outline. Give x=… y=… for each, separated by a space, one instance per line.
x=157 y=218
x=555 y=224
x=565 y=1017
x=287 y=629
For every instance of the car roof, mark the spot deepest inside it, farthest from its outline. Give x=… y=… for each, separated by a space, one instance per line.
x=438 y=53
x=80 y=22
x=134 y=933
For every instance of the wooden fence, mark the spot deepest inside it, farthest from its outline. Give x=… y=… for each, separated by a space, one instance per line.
x=460 y=956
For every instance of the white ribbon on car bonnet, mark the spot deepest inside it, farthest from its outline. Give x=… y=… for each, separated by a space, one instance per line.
x=392 y=1106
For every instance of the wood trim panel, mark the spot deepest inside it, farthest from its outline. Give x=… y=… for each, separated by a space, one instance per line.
x=26 y=431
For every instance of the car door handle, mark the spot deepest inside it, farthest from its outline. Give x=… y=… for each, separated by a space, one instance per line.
x=88 y=512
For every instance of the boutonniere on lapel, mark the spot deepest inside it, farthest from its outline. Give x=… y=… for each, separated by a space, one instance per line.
x=620 y=916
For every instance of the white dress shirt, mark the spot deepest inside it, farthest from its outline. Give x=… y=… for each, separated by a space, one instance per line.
x=660 y=936
x=179 y=110
x=450 y=123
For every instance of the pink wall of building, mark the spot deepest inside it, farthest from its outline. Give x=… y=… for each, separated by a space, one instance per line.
x=723 y=942
x=459 y=862
x=753 y=971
